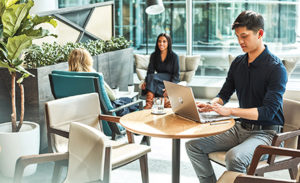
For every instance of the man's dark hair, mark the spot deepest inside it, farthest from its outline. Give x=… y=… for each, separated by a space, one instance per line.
x=250 y=19
x=157 y=50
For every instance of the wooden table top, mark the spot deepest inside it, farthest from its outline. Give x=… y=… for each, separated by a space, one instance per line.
x=170 y=125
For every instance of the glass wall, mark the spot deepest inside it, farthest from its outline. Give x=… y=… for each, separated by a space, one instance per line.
x=213 y=38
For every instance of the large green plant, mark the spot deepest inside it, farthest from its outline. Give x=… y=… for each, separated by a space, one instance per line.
x=17 y=30
x=49 y=54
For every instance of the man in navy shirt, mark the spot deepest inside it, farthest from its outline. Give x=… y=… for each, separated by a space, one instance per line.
x=259 y=79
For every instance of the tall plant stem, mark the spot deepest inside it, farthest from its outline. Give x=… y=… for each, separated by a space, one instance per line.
x=13 y=102
x=22 y=107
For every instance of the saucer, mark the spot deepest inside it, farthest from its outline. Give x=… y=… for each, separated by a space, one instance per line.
x=158 y=113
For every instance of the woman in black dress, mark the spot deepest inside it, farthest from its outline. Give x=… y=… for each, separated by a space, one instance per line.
x=163 y=65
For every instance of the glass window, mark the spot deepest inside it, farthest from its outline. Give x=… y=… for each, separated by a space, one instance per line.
x=213 y=38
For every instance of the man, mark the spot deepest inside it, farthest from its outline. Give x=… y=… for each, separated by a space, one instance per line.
x=259 y=78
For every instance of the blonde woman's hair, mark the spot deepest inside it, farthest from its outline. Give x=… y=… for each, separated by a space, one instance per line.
x=80 y=60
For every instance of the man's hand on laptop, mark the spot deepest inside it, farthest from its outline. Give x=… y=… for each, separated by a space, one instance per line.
x=204 y=107
x=224 y=111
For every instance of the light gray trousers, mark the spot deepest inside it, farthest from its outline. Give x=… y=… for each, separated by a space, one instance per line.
x=239 y=144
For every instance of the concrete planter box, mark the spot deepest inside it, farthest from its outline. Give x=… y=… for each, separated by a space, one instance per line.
x=117 y=67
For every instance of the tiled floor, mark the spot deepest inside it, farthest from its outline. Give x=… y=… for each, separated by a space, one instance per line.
x=159 y=160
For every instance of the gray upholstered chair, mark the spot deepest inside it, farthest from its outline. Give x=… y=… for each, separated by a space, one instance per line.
x=85 y=109
x=237 y=177
x=289 y=135
x=188 y=66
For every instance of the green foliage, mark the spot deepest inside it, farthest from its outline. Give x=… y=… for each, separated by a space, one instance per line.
x=49 y=54
x=17 y=30
x=13 y=16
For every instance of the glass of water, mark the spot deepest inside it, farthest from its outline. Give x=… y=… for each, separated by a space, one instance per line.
x=158 y=105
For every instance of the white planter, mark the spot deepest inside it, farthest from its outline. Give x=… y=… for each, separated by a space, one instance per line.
x=14 y=145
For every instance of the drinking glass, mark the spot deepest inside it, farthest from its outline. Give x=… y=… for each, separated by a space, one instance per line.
x=158 y=105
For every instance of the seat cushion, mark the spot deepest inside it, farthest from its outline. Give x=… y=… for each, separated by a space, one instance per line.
x=291 y=113
x=218 y=157
x=188 y=66
x=126 y=153
x=141 y=63
x=229 y=177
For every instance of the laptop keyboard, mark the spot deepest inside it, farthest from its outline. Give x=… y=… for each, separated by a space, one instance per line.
x=212 y=116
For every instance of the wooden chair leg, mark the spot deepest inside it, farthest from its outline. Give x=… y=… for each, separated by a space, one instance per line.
x=293 y=172
x=113 y=136
x=144 y=168
x=145 y=140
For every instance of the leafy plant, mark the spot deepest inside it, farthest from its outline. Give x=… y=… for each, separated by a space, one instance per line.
x=17 y=30
x=49 y=54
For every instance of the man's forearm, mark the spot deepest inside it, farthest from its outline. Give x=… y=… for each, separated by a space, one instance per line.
x=251 y=113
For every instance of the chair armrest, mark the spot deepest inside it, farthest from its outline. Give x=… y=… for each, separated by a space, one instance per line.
x=279 y=138
x=271 y=150
x=109 y=118
x=257 y=179
x=116 y=119
x=59 y=132
x=126 y=105
x=24 y=161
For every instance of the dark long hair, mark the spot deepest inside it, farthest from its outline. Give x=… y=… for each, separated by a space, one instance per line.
x=157 y=50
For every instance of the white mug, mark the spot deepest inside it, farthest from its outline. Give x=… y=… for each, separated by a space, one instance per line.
x=130 y=89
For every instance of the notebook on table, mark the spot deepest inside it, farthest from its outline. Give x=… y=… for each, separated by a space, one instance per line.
x=183 y=104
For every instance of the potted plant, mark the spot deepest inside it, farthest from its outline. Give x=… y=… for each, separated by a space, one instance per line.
x=110 y=56
x=17 y=30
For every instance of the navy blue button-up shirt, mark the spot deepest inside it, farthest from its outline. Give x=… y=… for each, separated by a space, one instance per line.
x=261 y=85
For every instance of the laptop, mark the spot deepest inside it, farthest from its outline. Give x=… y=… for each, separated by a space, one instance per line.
x=183 y=104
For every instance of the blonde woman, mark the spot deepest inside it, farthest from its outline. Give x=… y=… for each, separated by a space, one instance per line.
x=80 y=60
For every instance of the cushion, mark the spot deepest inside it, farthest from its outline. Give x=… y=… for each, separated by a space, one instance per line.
x=229 y=177
x=141 y=63
x=291 y=113
x=191 y=65
x=110 y=92
x=289 y=65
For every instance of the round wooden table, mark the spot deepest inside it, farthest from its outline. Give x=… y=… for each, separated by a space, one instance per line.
x=172 y=126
